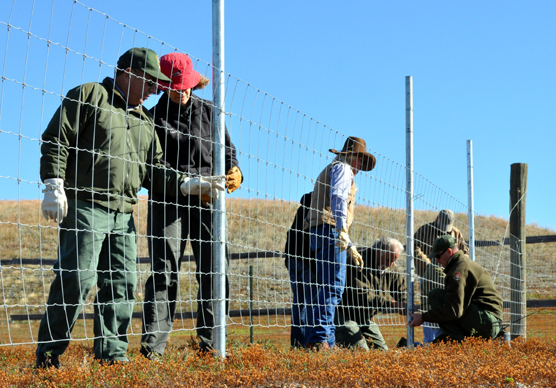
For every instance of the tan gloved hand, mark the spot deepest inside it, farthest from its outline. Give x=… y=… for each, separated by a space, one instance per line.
x=355 y=256
x=206 y=199
x=233 y=179
x=343 y=241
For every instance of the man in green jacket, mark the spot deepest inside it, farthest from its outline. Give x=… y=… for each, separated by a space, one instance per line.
x=371 y=288
x=98 y=150
x=469 y=305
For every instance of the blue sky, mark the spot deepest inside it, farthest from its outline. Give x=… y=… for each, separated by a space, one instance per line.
x=483 y=71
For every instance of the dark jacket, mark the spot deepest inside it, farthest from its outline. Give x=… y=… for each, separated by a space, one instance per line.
x=466 y=282
x=102 y=151
x=298 y=244
x=433 y=276
x=185 y=134
x=369 y=290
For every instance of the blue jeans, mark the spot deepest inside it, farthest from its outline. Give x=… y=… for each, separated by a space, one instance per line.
x=430 y=330
x=430 y=333
x=330 y=282
x=302 y=280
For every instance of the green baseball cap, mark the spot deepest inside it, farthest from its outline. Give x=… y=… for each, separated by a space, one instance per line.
x=441 y=244
x=142 y=58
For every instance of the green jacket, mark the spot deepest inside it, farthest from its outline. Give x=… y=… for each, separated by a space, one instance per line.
x=466 y=282
x=104 y=152
x=369 y=290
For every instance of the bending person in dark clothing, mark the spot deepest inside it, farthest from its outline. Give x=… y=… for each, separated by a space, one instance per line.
x=301 y=265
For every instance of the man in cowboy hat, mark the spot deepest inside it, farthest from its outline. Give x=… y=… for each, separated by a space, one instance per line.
x=469 y=305
x=328 y=221
x=97 y=152
x=431 y=274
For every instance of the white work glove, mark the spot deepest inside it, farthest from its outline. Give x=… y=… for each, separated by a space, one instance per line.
x=200 y=185
x=55 y=203
x=343 y=241
x=356 y=257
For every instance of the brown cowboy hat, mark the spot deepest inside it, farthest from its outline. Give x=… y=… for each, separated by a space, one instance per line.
x=357 y=146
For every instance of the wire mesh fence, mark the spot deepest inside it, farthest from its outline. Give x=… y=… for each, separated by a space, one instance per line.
x=280 y=152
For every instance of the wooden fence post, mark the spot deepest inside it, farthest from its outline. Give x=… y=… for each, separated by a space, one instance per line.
x=518 y=257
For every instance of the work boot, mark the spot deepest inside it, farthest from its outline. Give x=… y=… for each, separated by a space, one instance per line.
x=402 y=343
x=318 y=346
x=149 y=354
x=46 y=360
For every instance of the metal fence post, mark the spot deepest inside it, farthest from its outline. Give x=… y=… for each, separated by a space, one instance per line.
x=251 y=304
x=470 y=200
x=219 y=203
x=518 y=262
x=409 y=204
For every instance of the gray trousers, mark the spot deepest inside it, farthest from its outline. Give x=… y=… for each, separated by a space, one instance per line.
x=169 y=227
x=367 y=336
x=97 y=247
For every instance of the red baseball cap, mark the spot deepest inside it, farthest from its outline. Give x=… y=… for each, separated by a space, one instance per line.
x=179 y=68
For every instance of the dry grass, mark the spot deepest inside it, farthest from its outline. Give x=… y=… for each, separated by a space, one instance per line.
x=253 y=225
x=262 y=225
x=471 y=364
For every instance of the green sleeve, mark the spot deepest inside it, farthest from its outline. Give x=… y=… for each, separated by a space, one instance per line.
x=161 y=178
x=61 y=133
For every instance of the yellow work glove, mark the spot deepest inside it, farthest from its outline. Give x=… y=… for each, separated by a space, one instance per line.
x=233 y=179
x=343 y=239
x=206 y=199
x=355 y=256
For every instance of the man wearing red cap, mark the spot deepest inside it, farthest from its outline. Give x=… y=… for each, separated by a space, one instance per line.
x=328 y=221
x=183 y=124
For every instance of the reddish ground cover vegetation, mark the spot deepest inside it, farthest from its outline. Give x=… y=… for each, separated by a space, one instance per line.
x=269 y=363
x=474 y=363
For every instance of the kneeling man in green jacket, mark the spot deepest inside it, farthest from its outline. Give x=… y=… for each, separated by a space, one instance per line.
x=470 y=305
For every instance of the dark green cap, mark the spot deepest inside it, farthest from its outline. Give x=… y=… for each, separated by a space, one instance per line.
x=441 y=244
x=141 y=58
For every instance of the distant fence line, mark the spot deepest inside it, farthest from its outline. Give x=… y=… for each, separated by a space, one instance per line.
x=259 y=255
x=264 y=254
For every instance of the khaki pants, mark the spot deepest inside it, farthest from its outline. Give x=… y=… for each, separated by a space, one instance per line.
x=367 y=336
x=97 y=247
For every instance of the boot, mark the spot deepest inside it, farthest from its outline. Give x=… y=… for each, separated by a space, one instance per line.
x=46 y=360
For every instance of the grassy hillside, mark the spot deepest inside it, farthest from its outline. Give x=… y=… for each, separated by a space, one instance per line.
x=253 y=225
